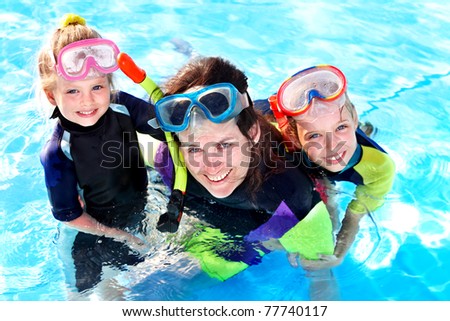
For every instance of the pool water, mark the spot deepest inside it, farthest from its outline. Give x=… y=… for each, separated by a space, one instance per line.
x=396 y=56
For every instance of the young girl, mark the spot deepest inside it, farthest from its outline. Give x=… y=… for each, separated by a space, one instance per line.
x=94 y=173
x=324 y=123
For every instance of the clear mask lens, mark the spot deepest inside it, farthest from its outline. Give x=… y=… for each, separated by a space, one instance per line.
x=320 y=83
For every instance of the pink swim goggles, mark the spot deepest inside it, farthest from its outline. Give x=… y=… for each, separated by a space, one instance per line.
x=76 y=60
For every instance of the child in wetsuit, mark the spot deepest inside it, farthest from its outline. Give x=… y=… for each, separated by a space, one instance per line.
x=94 y=172
x=315 y=112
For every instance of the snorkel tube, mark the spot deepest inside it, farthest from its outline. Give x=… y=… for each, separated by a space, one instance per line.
x=169 y=221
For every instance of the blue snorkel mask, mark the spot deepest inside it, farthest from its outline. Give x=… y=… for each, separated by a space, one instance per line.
x=218 y=102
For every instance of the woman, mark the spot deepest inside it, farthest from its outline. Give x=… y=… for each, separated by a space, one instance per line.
x=236 y=160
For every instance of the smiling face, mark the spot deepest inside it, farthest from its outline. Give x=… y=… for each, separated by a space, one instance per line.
x=217 y=155
x=82 y=102
x=329 y=139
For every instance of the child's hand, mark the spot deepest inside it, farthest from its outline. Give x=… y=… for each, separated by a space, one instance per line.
x=324 y=262
x=273 y=244
x=132 y=241
x=137 y=244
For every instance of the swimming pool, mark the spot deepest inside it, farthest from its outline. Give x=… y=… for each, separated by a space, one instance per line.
x=395 y=55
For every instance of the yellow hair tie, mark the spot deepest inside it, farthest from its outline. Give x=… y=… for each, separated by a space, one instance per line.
x=71 y=18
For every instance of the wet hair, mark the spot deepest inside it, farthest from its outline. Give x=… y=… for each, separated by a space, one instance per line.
x=73 y=28
x=206 y=71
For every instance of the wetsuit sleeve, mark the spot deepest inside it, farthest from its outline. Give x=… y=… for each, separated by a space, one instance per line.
x=378 y=171
x=61 y=182
x=163 y=164
x=289 y=197
x=141 y=112
x=311 y=236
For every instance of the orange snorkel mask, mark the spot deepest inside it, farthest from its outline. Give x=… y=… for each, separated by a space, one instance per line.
x=324 y=85
x=323 y=82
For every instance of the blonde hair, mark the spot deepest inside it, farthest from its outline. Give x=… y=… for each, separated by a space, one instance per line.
x=72 y=28
x=350 y=107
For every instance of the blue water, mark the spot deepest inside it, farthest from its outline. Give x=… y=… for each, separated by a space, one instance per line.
x=396 y=56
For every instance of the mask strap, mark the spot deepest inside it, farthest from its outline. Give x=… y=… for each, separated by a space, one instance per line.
x=283 y=123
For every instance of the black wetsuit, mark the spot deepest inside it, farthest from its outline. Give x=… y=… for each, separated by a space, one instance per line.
x=284 y=199
x=292 y=186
